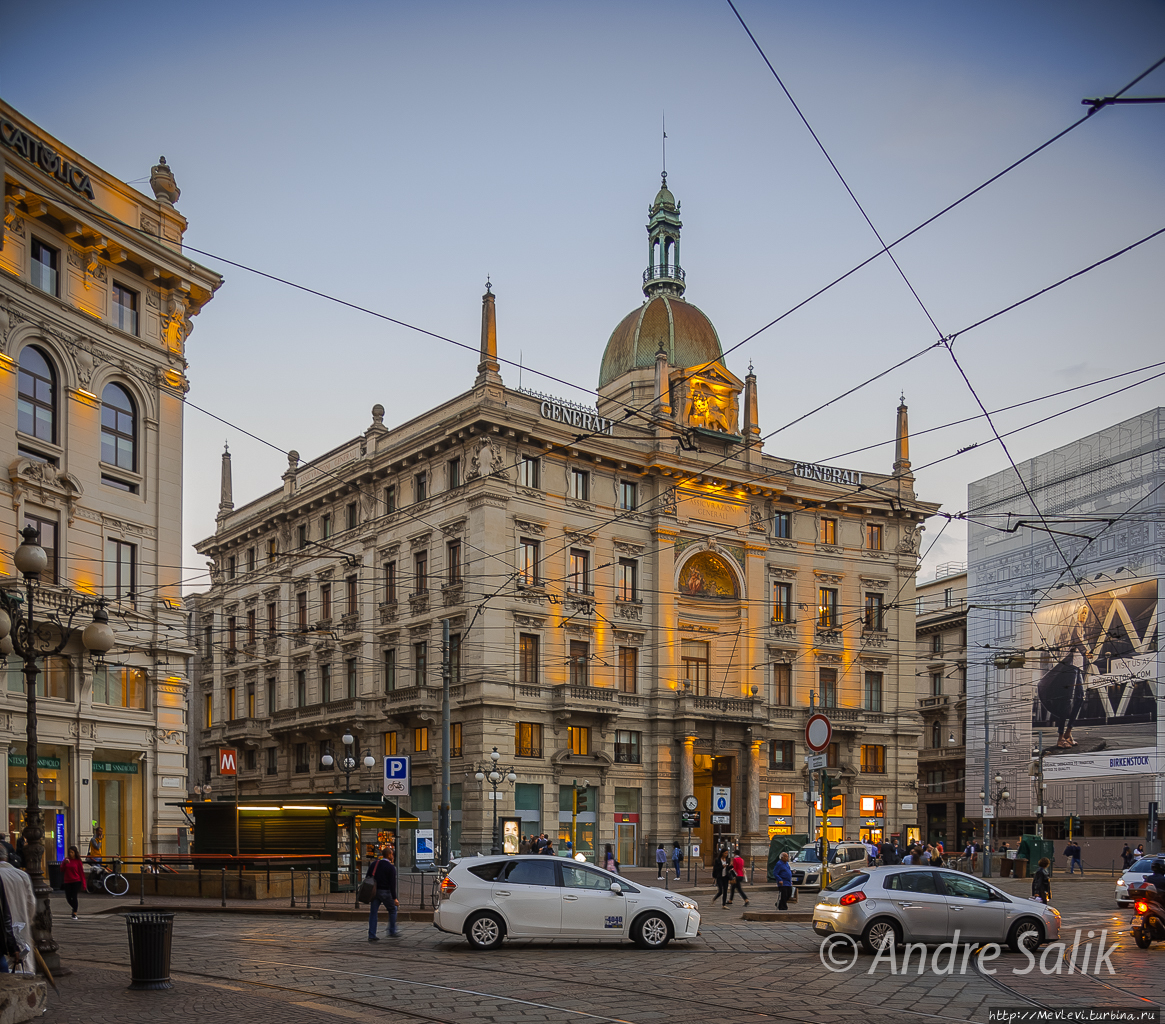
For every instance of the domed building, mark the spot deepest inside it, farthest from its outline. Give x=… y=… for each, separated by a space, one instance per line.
x=635 y=616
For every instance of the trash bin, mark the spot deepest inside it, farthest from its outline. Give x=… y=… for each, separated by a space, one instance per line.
x=1020 y=867
x=1005 y=866
x=149 y=949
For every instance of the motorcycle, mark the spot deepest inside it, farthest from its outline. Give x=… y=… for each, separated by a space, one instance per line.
x=1148 y=923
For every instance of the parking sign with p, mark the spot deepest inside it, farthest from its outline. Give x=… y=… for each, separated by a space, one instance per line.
x=396 y=776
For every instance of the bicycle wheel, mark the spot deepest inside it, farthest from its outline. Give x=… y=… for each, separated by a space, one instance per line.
x=116 y=885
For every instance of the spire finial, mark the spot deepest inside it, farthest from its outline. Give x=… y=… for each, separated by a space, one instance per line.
x=663 y=122
x=488 y=366
x=488 y=286
x=902 y=398
x=750 y=367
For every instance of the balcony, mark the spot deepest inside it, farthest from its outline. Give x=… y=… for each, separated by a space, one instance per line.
x=731 y=708
x=419 y=602
x=595 y=699
x=663 y=272
x=410 y=699
x=350 y=623
x=243 y=729
x=932 y=703
x=351 y=712
x=947 y=753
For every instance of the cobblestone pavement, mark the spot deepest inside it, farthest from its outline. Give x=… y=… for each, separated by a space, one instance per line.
x=237 y=967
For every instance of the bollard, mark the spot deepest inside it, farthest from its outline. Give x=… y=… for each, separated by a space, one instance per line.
x=142 y=895
x=224 y=887
x=149 y=949
x=309 y=888
x=293 y=887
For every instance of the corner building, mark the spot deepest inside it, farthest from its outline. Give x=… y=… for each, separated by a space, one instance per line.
x=96 y=301
x=639 y=598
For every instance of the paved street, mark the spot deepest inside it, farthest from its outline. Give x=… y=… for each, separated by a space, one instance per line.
x=233 y=966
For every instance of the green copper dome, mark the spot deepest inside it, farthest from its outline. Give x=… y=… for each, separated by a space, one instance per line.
x=688 y=338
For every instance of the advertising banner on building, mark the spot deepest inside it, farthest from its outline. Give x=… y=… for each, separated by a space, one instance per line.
x=1096 y=682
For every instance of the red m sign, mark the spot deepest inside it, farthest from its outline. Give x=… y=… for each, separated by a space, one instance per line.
x=228 y=763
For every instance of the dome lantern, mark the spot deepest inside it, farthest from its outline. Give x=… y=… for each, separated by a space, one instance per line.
x=664 y=275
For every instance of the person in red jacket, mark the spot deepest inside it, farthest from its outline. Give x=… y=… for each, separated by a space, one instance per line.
x=736 y=879
x=73 y=877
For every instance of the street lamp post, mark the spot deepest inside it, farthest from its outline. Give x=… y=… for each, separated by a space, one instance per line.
x=1038 y=755
x=1001 y=794
x=348 y=761
x=496 y=774
x=22 y=634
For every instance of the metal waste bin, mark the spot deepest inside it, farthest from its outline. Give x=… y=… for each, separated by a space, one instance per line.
x=149 y=949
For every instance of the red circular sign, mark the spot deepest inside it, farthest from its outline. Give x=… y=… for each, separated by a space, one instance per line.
x=818 y=733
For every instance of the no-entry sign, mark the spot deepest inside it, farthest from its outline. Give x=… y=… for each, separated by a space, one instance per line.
x=818 y=733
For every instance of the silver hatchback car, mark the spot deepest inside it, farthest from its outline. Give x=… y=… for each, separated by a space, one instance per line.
x=912 y=903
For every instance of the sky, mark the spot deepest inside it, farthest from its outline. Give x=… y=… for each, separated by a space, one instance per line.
x=394 y=154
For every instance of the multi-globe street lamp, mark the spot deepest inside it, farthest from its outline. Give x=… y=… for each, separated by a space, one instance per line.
x=1000 y=795
x=496 y=774
x=347 y=763
x=32 y=639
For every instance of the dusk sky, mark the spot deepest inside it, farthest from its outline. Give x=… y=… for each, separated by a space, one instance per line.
x=395 y=154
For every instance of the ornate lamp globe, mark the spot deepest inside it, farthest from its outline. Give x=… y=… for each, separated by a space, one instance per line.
x=30 y=558
x=98 y=636
x=511 y=778
x=327 y=760
x=369 y=760
x=5 y=624
x=495 y=776
x=480 y=776
x=349 y=739
x=494 y=755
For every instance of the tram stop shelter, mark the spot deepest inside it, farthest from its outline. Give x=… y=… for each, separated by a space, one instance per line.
x=343 y=829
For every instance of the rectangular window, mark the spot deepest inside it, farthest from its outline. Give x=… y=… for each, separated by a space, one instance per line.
x=628 y=669
x=919 y=605
x=421 y=572
x=208 y=639
x=232 y=633
x=936 y=643
x=351 y=595
x=455 y=741
x=208 y=710
x=783 y=684
x=935 y=781
x=390 y=670
x=626 y=747
x=528 y=658
x=120 y=569
x=272 y=549
x=454 y=657
x=874 y=536
x=326 y=684
x=580 y=485
x=827 y=608
x=301 y=688
x=873 y=759
x=117 y=685
x=325 y=526
x=46 y=531
x=352 y=515
x=250 y=559
x=783 y=525
x=271 y=691
x=873 y=691
x=781 y=754
x=579 y=739
x=251 y=625
x=628 y=579
x=828 y=695
x=251 y=759
x=580 y=661
x=250 y=700
x=694 y=656
x=301 y=611
x=420 y=486
x=528 y=562
x=782 y=603
x=875 y=618
x=390 y=582
x=325 y=601
x=578 y=574
x=420 y=662
x=301 y=535
x=421 y=739
x=125 y=309
x=628 y=495
x=272 y=760
x=936 y=684
x=780 y=803
x=454 y=473
x=390 y=499
x=948 y=597
x=529 y=471
x=301 y=765
x=45 y=264
x=350 y=676
x=527 y=739
x=453 y=561
x=390 y=744
x=232 y=567
x=833 y=755
x=829 y=531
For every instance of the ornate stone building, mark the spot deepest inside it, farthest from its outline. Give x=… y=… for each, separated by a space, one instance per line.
x=638 y=596
x=96 y=298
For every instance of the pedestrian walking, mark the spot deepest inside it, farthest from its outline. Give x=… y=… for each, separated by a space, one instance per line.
x=1126 y=857
x=73 y=877
x=720 y=877
x=1138 y=852
x=9 y=851
x=677 y=858
x=609 y=860
x=736 y=879
x=21 y=902
x=383 y=872
x=524 y=845
x=660 y=861
x=784 y=876
x=1072 y=852
x=1041 y=882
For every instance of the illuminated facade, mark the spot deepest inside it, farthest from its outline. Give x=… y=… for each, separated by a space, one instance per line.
x=95 y=306
x=638 y=597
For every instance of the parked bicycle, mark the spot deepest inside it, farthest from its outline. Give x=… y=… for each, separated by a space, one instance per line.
x=113 y=882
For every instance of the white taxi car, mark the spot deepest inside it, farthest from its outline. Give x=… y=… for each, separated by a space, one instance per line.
x=487 y=899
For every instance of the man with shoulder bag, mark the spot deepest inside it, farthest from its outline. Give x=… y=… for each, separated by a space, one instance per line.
x=382 y=875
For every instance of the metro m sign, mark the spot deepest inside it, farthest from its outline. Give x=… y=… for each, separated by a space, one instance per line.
x=228 y=761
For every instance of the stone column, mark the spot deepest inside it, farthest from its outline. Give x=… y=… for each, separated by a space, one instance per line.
x=688 y=767
x=755 y=797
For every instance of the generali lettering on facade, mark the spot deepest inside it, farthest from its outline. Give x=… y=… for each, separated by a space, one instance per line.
x=44 y=157
x=828 y=474
x=576 y=416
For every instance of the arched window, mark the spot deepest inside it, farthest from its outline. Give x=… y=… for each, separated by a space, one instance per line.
x=118 y=428
x=936 y=735
x=37 y=402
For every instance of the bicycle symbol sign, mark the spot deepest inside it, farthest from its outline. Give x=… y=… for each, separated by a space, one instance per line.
x=396 y=776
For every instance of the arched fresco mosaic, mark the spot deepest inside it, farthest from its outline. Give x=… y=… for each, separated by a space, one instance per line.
x=707 y=576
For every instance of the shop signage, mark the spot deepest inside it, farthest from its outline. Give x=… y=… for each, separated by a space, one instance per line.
x=21 y=761
x=116 y=767
x=828 y=474
x=42 y=156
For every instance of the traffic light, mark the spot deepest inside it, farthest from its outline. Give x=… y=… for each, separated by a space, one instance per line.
x=580 y=801
x=830 y=794
x=1072 y=824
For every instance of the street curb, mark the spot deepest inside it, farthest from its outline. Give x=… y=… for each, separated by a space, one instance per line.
x=777 y=915
x=314 y=913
